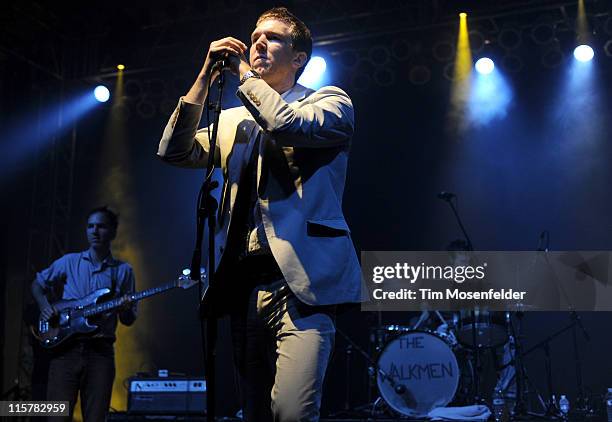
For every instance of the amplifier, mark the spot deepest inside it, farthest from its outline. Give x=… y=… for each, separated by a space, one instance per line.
x=167 y=395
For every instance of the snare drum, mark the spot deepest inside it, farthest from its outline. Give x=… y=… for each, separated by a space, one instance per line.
x=418 y=372
x=491 y=328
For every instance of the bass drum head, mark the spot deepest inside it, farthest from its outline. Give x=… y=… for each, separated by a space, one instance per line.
x=423 y=370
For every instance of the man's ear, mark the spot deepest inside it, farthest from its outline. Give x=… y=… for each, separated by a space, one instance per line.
x=299 y=59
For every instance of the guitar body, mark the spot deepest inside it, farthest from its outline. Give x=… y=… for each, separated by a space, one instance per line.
x=69 y=321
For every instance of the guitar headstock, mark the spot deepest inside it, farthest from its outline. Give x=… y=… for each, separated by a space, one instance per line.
x=185 y=282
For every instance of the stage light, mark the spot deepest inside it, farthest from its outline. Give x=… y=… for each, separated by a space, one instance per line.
x=102 y=93
x=463 y=15
x=313 y=74
x=484 y=66
x=459 y=72
x=120 y=67
x=584 y=53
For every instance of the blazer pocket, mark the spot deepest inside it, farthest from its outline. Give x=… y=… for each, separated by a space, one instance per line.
x=327 y=228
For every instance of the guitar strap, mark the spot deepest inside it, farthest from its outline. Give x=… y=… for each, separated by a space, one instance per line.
x=113 y=280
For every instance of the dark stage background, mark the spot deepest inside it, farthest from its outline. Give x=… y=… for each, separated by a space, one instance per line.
x=541 y=163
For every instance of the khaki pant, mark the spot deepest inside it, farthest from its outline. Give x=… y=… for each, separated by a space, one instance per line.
x=281 y=351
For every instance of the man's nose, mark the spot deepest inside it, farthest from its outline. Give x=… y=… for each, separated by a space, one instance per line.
x=260 y=43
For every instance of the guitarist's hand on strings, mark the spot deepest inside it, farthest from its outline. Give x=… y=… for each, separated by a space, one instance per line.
x=47 y=311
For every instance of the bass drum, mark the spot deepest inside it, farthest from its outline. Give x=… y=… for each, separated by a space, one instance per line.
x=418 y=372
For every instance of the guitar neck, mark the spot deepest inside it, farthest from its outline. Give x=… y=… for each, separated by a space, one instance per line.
x=133 y=297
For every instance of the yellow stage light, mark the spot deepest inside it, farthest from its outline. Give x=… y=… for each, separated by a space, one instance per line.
x=462 y=69
x=120 y=67
x=116 y=188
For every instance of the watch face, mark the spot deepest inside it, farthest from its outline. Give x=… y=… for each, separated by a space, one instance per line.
x=249 y=74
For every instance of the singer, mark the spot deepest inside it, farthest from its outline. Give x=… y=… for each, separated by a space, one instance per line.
x=285 y=257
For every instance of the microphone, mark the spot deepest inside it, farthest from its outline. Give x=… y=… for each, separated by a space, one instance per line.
x=446 y=196
x=221 y=63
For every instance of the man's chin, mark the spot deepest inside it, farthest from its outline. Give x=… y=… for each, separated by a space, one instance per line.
x=261 y=69
x=98 y=245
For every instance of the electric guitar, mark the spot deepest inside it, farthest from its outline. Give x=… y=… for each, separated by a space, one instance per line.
x=73 y=315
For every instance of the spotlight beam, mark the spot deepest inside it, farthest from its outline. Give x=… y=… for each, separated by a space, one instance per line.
x=461 y=79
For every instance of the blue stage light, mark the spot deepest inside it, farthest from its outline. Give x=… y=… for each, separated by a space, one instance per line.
x=484 y=66
x=490 y=99
x=584 y=53
x=313 y=74
x=102 y=93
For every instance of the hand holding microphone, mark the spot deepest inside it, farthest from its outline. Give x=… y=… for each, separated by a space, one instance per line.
x=226 y=53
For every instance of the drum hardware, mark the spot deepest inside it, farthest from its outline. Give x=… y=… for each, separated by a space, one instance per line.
x=550 y=407
x=347 y=391
x=448 y=197
x=351 y=345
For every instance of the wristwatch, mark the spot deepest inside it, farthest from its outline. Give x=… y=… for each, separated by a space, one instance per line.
x=249 y=74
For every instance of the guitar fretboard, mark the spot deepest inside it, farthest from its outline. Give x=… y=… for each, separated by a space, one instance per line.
x=133 y=297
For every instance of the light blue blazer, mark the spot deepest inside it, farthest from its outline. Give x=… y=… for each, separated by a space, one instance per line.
x=301 y=172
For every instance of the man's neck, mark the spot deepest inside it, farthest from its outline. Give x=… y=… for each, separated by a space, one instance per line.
x=282 y=86
x=99 y=254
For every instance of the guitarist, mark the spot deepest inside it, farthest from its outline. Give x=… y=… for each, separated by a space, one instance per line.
x=87 y=363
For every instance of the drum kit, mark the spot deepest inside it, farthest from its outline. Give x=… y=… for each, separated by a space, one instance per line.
x=439 y=359
x=444 y=359
x=431 y=363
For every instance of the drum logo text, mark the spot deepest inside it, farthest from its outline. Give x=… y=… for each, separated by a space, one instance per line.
x=417 y=371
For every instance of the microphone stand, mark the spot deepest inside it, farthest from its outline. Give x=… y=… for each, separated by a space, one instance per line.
x=583 y=405
x=449 y=201
x=476 y=353
x=207 y=210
